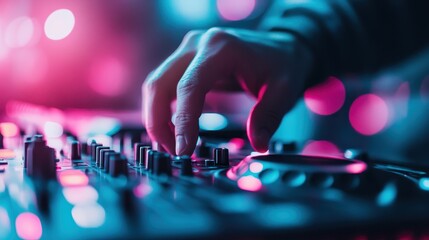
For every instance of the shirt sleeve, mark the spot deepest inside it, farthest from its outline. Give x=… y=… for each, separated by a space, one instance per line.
x=353 y=36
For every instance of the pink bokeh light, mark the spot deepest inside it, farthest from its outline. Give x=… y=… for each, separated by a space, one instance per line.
x=235 y=10
x=108 y=77
x=28 y=226
x=369 y=114
x=73 y=178
x=325 y=98
x=9 y=129
x=249 y=183
x=321 y=148
x=356 y=168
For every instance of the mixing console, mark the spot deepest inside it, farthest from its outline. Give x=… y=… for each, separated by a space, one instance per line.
x=131 y=189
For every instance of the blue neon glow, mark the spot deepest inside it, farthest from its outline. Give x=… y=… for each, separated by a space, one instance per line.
x=388 y=195
x=212 y=122
x=424 y=184
x=194 y=12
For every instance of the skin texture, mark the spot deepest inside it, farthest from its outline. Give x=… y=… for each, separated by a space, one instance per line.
x=273 y=67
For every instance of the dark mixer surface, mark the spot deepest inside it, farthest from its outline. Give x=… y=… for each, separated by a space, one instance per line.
x=128 y=189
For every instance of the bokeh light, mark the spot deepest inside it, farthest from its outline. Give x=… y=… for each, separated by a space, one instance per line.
x=212 y=121
x=52 y=129
x=4 y=223
x=235 y=10
x=89 y=215
x=369 y=114
x=59 y=24
x=19 y=32
x=249 y=183
x=325 y=98
x=9 y=129
x=192 y=9
x=109 y=76
x=321 y=148
x=80 y=195
x=28 y=226
x=72 y=178
x=256 y=167
x=356 y=168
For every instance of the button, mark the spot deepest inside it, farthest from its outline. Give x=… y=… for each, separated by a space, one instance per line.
x=143 y=155
x=75 y=151
x=103 y=155
x=137 y=153
x=94 y=146
x=161 y=164
x=149 y=160
x=221 y=156
x=106 y=160
x=98 y=155
x=186 y=166
x=118 y=165
x=41 y=160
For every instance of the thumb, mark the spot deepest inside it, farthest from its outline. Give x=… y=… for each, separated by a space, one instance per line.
x=274 y=101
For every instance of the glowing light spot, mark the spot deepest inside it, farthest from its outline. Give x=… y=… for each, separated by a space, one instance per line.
x=269 y=176
x=424 y=184
x=4 y=223
x=109 y=77
x=28 y=226
x=7 y=154
x=249 y=183
x=59 y=24
x=388 y=195
x=256 y=167
x=19 y=32
x=230 y=174
x=325 y=98
x=8 y=129
x=80 y=195
x=235 y=10
x=142 y=190
x=369 y=114
x=321 y=148
x=53 y=130
x=281 y=215
x=192 y=9
x=356 y=168
x=103 y=126
x=89 y=215
x=72 y=178
x=212 y=121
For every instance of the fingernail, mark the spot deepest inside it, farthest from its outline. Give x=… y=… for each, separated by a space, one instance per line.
x=180 y=144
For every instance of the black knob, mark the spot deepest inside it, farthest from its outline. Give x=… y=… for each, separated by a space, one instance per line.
x=27 y=142
x=41 y=160
x=143 y=155
x=98 y=154
x=75 y=151
x=1 y=141
x=149 y=160
x=221 y=156
x=161 y=164
x=103 y=154
x=94 y=146
x=106 y=159
x=137 y=152
x=186 y=169
x=118 y=165
x=204 y=150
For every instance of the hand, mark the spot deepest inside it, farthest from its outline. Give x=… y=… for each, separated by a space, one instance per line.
x=273 y=67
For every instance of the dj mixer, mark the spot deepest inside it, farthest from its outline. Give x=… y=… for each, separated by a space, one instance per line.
x=131 y=189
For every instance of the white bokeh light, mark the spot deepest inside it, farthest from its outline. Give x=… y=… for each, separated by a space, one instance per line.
x=59 y=24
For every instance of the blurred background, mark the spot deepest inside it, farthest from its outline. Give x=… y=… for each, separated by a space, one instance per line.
x=63 y=61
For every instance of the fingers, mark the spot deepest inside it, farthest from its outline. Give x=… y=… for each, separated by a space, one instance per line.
x=159 y=90
x=212 y=62
x=274 y=101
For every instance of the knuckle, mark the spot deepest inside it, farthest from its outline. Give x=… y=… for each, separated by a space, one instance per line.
x=187 y=86
x=216 y=35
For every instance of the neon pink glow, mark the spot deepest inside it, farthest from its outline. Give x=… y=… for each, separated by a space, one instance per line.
x=109 y=77
x=28 y=226
x=321 y=148
x=29 y=66
x=369 y=114
x=19 y=32
x=256 y=167
x=8 y=129
x=356 y=168
x=325 y=98
x=71 y=178
x=235 y=10
x=142 y=190
x=249 y=183
x=7 y=154
x=230 y=174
